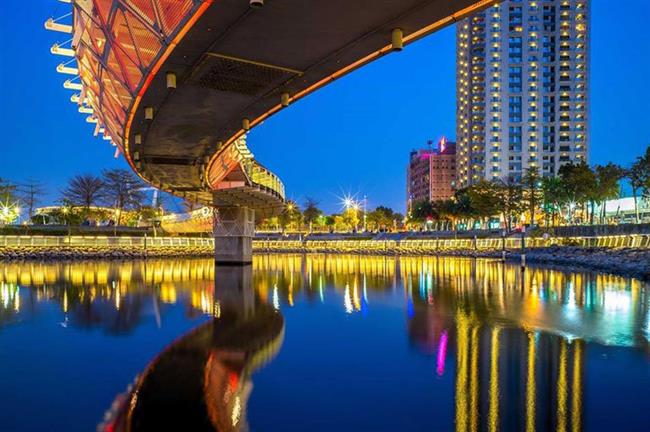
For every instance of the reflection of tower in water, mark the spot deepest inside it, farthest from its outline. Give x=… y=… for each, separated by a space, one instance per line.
x=496 y=366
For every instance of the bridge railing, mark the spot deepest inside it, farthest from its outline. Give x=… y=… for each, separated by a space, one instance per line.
x=369 y=246
x=238 y=152
x=263 y=177
x=440 y=245
x=104 y=241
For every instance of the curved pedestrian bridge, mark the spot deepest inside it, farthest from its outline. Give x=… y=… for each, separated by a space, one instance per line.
x=176 y=84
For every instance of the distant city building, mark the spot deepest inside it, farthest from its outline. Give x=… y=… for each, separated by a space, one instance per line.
x=522 y=84
x=431 y=173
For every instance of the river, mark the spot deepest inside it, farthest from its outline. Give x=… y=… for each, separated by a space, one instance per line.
x=321 y=343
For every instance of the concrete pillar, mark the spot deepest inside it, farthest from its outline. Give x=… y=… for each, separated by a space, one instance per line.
x=234 y=228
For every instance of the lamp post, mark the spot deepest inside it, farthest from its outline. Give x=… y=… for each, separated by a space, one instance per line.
x=523 y=243
x=355 y=207
x=365 y=201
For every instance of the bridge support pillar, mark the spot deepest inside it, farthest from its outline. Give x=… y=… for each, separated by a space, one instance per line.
x=234 y=228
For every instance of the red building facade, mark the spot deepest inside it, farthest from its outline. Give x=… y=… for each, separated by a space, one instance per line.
x=431 y=173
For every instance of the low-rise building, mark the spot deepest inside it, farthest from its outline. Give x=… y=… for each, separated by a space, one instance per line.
x=431 y=173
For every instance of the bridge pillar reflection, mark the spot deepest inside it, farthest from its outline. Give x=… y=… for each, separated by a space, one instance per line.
x=234 y=228
x=233 y=289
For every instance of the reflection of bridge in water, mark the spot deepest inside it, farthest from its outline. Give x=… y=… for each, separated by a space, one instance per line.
x=176 y=84
x=203 y=380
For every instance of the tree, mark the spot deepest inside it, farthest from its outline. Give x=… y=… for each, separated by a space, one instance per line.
x=464 y=209
x=607 y=180
x=350 y=218
x=451 y=210
x=510 y=196
x=483 y=200
x=421 y=211
x=552 y=198
x=381 y=218
x=30 y=194
x=532 y=193
x=579 y=183
x=84 y=190
x=8 y=202
x=122 y=190
x=7 y=191
x=638 y=177
x=291 y=217
x=330 y=222
x=311 y=213
x=645 y=168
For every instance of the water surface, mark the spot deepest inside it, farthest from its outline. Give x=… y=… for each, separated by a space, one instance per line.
x=321 y=343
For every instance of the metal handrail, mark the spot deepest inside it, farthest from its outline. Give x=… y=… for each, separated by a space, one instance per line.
x=256 y=173
x=104 y=241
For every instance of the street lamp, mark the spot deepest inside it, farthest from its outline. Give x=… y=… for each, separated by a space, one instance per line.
x=8 y=212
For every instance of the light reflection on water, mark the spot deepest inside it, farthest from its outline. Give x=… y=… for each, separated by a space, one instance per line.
x=511 y=350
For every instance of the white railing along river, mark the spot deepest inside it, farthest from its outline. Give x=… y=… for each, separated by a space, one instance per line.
x=306 y=245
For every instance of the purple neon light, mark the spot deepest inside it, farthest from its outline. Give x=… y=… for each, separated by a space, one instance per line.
x=442 y=353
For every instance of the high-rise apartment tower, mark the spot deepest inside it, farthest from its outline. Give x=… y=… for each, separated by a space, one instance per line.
x=522 y=84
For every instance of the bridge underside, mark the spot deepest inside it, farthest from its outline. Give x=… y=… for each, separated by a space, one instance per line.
x=235 y=63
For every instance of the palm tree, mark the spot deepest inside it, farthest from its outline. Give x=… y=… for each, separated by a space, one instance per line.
x=552 y=197
x=578 y=183
x=638 y=176
x=510 y=196
x=484 y=200
x=531 y=183
x=447 y=210
x=645 y=164
x=607 y=179
x=311 y=212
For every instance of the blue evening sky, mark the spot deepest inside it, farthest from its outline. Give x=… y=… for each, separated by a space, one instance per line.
x=353 y=136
